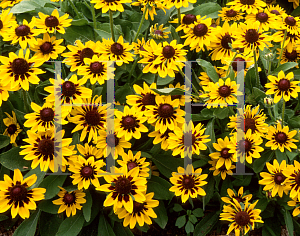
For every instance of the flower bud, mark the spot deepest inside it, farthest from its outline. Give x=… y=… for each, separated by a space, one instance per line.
x=268 y=101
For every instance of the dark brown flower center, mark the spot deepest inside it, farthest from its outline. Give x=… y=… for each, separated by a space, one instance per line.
x=1 y=24
x=279 y=178
x=131 y=165
x=291 y=56
x=249 y=123
x=47 y=114
x=96 y=67
x=46 y=147
x=226 y=39
x=51 y=21
x=290 y=21
x=117 y=49
x=189 y=19
x=129 y=122
x=189 y=138
x=112 y=140
x=68 y=89
x=235 y=62
x=22 y=30
x=168 y=52
x=46 y=48
x=275 y=12
x=123 y=185
x=262 y=17
x=148 y=99
x=225 y=153
x=18 y=193
x=86 y=53
x=224 y=91
x=242 y=218
x=69 y=198
x=245 y=144
x=200 y=30
x=188 y=182
x=165 y=110
x=173 y=97
x=20 y=66
x=11 y=129
x=283 y=85
x=138 y=207
x=281 y=137
x=159 y=32
x=247 y=2
x=231 y=13
x=92 y=117
x=87 y=171
x=251 y=36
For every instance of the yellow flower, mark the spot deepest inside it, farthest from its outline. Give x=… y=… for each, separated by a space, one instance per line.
x=13 y=128
x=112 y=5
x=158 y=33
x=240 y=196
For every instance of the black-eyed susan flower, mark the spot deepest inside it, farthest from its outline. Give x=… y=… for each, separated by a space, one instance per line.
x=254 y=119
x=229 y=14
x=85 y=172
x=6 y=20
x=282 y=86
x=221 y=93
x=201 y=35
x=276 y=10
x=179 y=3
x=135 y=161
x=96 y=70
x=13 y=128
x=130 y=123
x=144 y=96
x=239 y=196
x=20 y=70
x=295 y=203
x=161 y=138
x=151 y=7
x=112 y=5
x=9 y=3
x=204 y=78
x=242 y=218
x=42 y=118
x=42 y=149
x=224 y=155
x=249 y=145
x=187 y=183
x=47 y=47
x=266 y=19
x=108 y=142
x=69 y=201
x=187 y=22
x=141 y=212
x=139 y=46
x=148 y=57
x=75 y=58
x=274 y=180
x=251 y=37
x=52 y=23
x=89 y=118
x=291 y=24
x=292 y=172
x=87 y=151
x=159 y=33
x=23 y=34
x=293 y=56
x=72 y=92
x=116 y=51
x=124 y=187
x=14 y=194
x=221 y=170
x=188 y=141
x=165 y=114
x=290 y=41
x=249 y=6
x=279 y=138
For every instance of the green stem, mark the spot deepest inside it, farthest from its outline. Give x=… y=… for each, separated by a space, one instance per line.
x=282 y=46
x=155 y=79
x=179 y=16
x=94 y=16
x=25 y=101
x=283 y=108
x=141 y=23
x=270 y=113
x=73 y=7
x=256 y=68
x=132 y=69
x=269 y=69
x=111 y=21
x=93 y=89
x=137 y=78
x=193 y=86
x=234 y=56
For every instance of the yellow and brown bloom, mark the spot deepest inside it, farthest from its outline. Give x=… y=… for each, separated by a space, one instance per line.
x=6 y=20
x=152 y=4
x=292 y=181
x=248 y=6
x=187 y=22
x=266 y=19
x=240 y=196
x=159 y=33
x=229 y=14
x=112 y=5
x=13 y=128
x=221 y=170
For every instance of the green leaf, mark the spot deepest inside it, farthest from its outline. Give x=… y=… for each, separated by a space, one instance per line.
x=289 y=222
x=4 y=141
x=198 y=212
x=12 y=160
x=206 y=224
x=258 y=94
x=160 y=187
x=259 y=163
x=51 y=184
x=280 y=156
x=39 y=174
x=296 y=11
x=3 y=217
x=221 y=113
x=103 y=30
x=174 y=34
x=209 y=188
x=28 y=226
x=210 y=10
x=48 y=206
x=209 y=69
x=193 y=219
x=262 y=204
x=24 y=6
x=162 y=216
x=294 y=122
x=291 y=155
x=122 y=92
x=210 y=131
x=104 y=228
x=189 y=227
x=82 y=33
x=49 y=224
x=71 y=225
x=87 y=207
x=200 y=163
x=177 y=207
x=180 y=222
x=284 y=67
x=119 y=229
